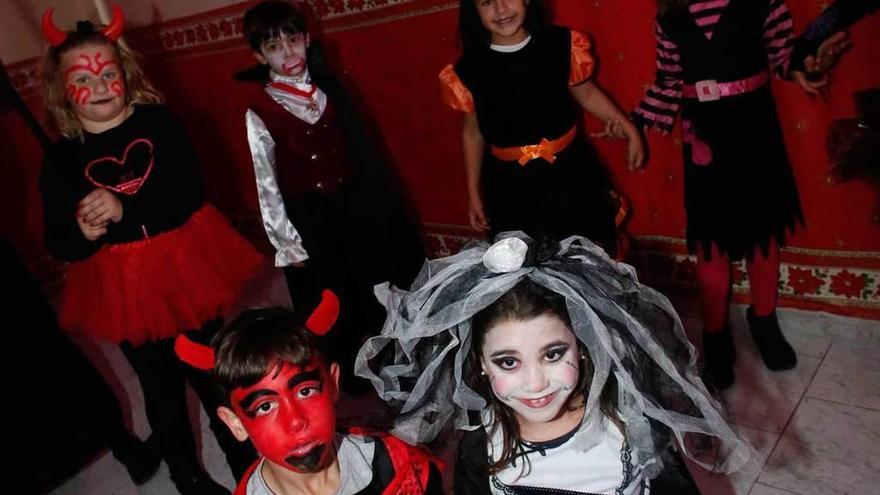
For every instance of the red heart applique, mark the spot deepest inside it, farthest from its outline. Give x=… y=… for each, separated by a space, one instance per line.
x=125 y=176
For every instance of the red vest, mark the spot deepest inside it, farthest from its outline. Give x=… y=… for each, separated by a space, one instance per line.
x=308 y=157
x=412 y=466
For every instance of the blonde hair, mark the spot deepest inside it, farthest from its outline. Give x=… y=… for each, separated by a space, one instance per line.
x=60 y=115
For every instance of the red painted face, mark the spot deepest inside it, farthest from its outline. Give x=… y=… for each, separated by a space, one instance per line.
x=289 y=416
x=94 y=81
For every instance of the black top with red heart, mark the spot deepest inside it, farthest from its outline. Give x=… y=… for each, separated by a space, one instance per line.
x=148 y=162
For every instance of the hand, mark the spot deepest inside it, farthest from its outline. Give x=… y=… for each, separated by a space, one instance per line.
x=614 y=129
x=811 y=87
x=635 y=148
x=298 y=264
x=99 y=207
x=89 y=231
x=476 y=214
x=828 y=54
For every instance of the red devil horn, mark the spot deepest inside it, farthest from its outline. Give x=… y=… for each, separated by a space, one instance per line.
x=324 y=316
x=114 y=29
x=196 y=355
x=51 y=32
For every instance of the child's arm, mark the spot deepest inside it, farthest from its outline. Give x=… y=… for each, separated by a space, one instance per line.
x=471 y=467
x=65 y=237
x=474 y=145
x=282 y=234
x=594 y=101
x=778 y=43
x=660 y=105
x=597 y=104
x=824 y=40
x=455 y=94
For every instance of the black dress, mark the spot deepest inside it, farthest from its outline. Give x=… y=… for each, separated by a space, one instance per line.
x=740 y=195
x=521 y=98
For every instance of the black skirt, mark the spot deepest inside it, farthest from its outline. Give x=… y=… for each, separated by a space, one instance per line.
x=745 y=196
x=570 y=196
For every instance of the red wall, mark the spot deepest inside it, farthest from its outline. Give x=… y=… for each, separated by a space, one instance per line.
x=394 y=54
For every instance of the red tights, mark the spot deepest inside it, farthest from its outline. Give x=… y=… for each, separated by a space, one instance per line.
x=713 y=277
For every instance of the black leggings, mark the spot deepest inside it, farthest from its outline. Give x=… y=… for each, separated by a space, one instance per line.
x=163 y=376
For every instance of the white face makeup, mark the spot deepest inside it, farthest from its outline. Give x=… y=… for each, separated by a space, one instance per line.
x=532 y=365
x=285 y=55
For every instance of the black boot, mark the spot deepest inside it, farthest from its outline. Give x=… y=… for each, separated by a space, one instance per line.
x=141 y=459
x=718 y=357
x=777 y=353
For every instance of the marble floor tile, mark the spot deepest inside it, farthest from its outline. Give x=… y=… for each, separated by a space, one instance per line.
x=759 y=489
x=741 y=481
x=827 y=449
x=766 y=399
x=850 y=374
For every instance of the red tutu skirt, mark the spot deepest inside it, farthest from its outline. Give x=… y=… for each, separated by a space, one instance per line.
x=159 y=287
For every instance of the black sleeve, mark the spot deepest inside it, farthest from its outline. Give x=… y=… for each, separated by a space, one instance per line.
x=675 y=477
x=851 y=11
x=174 y=190
x=471 y=466
x=836 y=17
x=384 y=474
x=61 y=234
x=435 y=482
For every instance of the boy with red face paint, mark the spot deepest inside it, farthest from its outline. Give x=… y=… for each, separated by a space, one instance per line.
x=149 y=259
x=323 y=187
x=280 y=393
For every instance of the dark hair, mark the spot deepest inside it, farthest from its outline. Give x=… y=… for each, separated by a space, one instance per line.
x=270 y=20
x=473 y=35
x=526 y=301
x=257 y=342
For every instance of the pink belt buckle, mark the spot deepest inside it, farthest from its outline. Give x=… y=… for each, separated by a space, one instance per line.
x=707 y=90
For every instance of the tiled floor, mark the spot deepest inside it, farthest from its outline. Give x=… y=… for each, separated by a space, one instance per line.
x=813 y=428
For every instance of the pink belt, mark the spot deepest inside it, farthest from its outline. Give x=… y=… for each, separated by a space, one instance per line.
x=711 y=90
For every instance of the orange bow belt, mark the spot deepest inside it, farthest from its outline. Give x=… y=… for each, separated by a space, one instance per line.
x=546 y=149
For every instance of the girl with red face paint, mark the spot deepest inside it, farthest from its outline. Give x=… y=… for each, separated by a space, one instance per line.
x=566 y=374
x=123 y=203
x=279 y=392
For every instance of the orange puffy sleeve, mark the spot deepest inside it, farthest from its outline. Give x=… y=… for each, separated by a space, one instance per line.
x=454 y=92
x=581 y=60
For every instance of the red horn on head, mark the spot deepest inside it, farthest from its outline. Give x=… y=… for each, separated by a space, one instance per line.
x=51 y=32
x=114 y=29
x=325 y=315
x=196 y=355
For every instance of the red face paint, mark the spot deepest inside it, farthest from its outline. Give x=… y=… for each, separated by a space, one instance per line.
x=289 y=416
x=95 y=84
x=117 y=88
x=78 y=94
x=92 y=63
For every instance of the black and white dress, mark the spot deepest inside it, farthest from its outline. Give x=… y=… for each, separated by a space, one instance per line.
x=593 y=459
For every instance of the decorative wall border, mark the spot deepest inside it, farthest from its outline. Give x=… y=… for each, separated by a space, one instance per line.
x=842 y=282
x=220 y=30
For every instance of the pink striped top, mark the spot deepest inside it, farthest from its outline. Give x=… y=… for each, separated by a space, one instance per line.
x=660 y=106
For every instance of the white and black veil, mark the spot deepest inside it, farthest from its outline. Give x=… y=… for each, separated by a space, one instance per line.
x=629 y=330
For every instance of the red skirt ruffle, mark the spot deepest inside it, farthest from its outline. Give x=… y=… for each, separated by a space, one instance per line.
x=159 y=287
